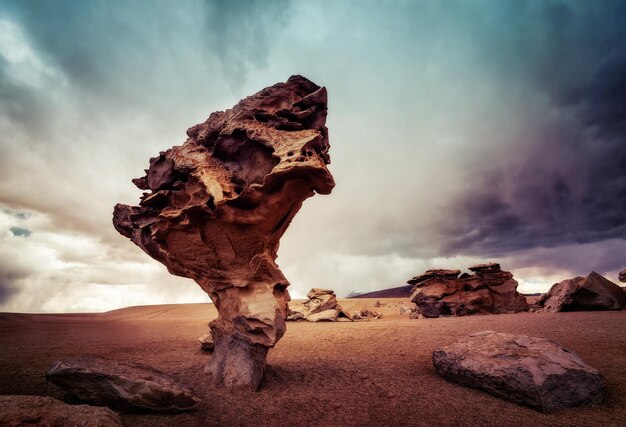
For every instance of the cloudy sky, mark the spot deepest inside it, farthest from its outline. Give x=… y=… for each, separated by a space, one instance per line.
x=461 y=132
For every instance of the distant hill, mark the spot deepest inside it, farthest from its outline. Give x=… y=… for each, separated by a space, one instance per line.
x=399 y=292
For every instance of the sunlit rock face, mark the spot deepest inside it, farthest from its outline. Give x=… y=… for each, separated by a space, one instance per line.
x=217 y=205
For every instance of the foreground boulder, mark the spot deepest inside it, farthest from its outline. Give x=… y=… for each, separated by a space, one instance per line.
x=622 y=276
x=448 y=293
x=124 y=386
x=590 y=293
x=216 y=207
x=530 y=371
x=321 y=306
x=17 y=411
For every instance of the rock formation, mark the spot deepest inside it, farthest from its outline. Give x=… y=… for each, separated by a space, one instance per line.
x=321 y=306
x=123 y=386
x=622 y=276
x=217 y=205
x=593 y=292
x=445 y=293
x=206 y=343
x=530 y=371
x=18 y=411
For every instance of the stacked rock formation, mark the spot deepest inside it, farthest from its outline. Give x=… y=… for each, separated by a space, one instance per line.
x=445 y=293
x=217 y=205
x=321 y=306
x=590 y=293
x=527 y=370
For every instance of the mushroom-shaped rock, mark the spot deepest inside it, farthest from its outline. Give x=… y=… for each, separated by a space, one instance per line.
x=527 y=370
x=217 y=205
x=590 y=293
x=124 y=386
x=18 y=411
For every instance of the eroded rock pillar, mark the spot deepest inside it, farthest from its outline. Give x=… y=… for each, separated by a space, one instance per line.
x=217 y=206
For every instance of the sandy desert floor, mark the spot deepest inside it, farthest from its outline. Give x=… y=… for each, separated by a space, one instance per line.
x=322 y=374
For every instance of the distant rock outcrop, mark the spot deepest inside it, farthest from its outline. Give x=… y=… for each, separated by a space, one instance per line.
x=216 y=207
x=321 y=306
x=530 y=371
x=622 y=276
x=590 y=293
x=445 y=293
x=19 y=411
x=124 y=386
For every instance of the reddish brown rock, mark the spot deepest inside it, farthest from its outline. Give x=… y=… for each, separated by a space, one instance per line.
x=445 y=293
x=527 y=370
x=218 y=204
x=590 y=293
x=18 y=411
x=121 y=385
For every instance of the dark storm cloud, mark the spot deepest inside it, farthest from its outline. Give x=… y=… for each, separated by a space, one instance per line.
x=240 y=32
x=569 y=184
x=9 y=275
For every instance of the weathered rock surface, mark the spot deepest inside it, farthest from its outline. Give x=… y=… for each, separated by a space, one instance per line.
x=622 y=276
x=530 y=371
x=18 y=411
x=206 y=343
x=593 y=292
x=321 y=306
x=123 y=386
x=445 y=293
x=217 y=205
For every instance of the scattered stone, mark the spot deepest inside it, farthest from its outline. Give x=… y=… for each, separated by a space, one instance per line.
x=622 y=276
x=440 y=293
x=321 y=306
x=366 y=315
x=593 y=292
x=206 y=343
x=123 y=386
x=17 y=411
x=406 y=310
x=216 y=207
x=526 y=370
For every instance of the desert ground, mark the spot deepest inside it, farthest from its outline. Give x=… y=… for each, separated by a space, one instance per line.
x=376 y=372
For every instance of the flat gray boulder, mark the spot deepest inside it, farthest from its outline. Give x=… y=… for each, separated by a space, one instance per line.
x=124 y=386
x=531 y=371
x=48 y=412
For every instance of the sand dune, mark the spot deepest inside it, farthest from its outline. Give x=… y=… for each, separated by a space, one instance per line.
x=363 y=373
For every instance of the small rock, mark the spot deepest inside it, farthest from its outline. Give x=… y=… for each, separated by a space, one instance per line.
x=622 y=275
x=119 y=385
x=320 y=306
x=366 y=315
x=530 y=371
x=206 y=343
x=45 y=411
